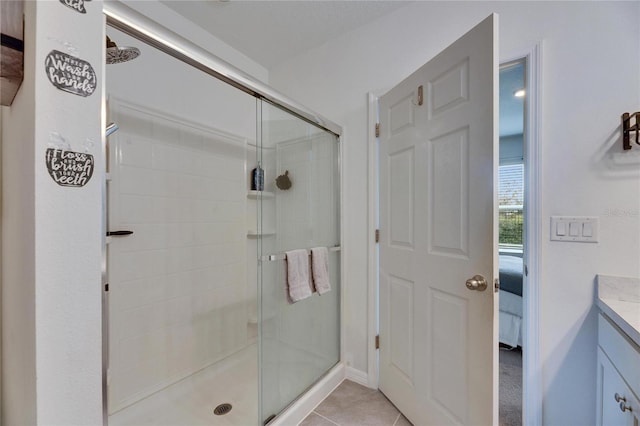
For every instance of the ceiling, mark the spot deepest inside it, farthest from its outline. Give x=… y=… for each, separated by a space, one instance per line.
x=270 y=32
x=511 y=107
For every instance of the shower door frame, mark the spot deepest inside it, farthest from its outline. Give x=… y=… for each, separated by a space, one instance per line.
x=133 y=23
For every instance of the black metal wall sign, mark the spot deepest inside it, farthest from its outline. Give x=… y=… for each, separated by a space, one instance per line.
x=69 y=168
x=70 y=74
x=77 y=5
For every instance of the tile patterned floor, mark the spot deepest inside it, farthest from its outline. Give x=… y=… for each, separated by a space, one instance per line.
x=351 y=404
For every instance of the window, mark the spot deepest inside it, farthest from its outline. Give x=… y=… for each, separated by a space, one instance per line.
x=510 y=202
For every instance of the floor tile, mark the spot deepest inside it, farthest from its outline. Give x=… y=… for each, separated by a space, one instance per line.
x=344 y=396
x=315 y=420
x=353 y=404
x=402 y=421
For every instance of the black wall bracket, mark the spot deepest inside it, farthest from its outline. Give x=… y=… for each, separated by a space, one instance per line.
x=630 y=123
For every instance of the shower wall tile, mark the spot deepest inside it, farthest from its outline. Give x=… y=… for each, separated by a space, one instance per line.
x=164 y=130
x=137 y=382
x=192 y=138
x=147 y=237
x=135 y=154
x=137 y=181
x=136 y=209
x=178 y=285
x=136 y=122
x=138 y=292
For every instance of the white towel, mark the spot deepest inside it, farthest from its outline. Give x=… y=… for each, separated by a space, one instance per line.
x=298 y=275
x=320 y=269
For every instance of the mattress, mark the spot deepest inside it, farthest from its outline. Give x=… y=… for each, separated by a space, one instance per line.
x=510 y=303
x=510 y=329
x=511 y=274
x=510 y=317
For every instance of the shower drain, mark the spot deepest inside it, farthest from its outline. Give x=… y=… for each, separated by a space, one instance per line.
x=222 y=409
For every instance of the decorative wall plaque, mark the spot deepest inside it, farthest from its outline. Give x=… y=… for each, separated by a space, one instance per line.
x=69 y=168
x=70 y=74
x=77 y=5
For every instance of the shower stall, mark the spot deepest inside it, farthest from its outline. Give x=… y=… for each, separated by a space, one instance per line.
x=198 y=326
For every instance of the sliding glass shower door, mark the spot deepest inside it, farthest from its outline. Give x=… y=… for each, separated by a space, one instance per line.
x=198 y=326
x=298 y=207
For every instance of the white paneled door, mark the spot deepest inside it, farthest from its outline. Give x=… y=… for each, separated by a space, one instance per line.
x=438 y=230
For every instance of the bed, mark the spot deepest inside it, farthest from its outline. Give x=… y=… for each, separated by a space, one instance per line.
x=510 y=312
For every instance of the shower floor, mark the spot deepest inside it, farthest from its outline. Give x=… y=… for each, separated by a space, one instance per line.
x=192 y=400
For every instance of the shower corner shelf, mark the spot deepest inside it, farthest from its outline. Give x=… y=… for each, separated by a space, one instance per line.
x=255 y=234
x=254 y=195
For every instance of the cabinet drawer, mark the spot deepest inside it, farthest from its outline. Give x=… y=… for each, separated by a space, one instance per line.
x=618 y=406
x=622 y=352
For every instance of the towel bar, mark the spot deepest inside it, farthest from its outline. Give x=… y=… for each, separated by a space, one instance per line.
x=282 y=256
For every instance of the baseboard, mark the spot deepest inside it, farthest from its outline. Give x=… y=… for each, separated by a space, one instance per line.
x=358 y=376
x=301 y=408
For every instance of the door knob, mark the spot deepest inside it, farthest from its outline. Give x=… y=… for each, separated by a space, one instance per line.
x=477 y=283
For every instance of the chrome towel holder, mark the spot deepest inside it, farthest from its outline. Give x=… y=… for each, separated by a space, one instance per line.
x=283 y=256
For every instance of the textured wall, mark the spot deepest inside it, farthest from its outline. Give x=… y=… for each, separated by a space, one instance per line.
x=590 y=76
x=52 y=241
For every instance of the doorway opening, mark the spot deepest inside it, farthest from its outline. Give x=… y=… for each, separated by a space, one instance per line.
x=529 y=407
x=511 y=239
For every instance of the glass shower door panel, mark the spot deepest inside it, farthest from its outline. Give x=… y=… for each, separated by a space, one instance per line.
x=300 y=342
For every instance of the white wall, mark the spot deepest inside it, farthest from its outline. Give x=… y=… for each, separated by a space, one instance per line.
x=180 y=25
x=18 y=317
x=590 y=76
x=51 y=239
x=511 y=149
x=1 y=109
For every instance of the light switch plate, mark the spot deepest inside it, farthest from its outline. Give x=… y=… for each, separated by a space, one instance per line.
x=572 y=228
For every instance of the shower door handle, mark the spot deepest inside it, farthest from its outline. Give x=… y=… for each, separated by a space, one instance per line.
x=118 y=233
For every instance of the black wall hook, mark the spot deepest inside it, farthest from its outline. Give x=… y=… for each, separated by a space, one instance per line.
x=627 y=128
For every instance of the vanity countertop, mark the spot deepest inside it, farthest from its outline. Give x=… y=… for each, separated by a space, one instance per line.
x=619 y=299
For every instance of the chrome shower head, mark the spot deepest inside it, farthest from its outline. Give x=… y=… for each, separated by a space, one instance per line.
x=116 y=55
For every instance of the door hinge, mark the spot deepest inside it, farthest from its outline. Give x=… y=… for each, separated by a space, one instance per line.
x=377 y=235
x=378 y=341
x=106 y=287
x=496 y=285
x=377 y=130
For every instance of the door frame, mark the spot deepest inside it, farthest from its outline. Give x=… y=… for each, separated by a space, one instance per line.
x=533 y=228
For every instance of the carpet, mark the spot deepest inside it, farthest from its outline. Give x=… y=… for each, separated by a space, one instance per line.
x=510 y=387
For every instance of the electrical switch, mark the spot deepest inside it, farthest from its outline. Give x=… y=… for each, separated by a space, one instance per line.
x=561 y=228
x=574 y=229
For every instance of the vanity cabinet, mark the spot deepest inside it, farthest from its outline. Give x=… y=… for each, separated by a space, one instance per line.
x=618 y=377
